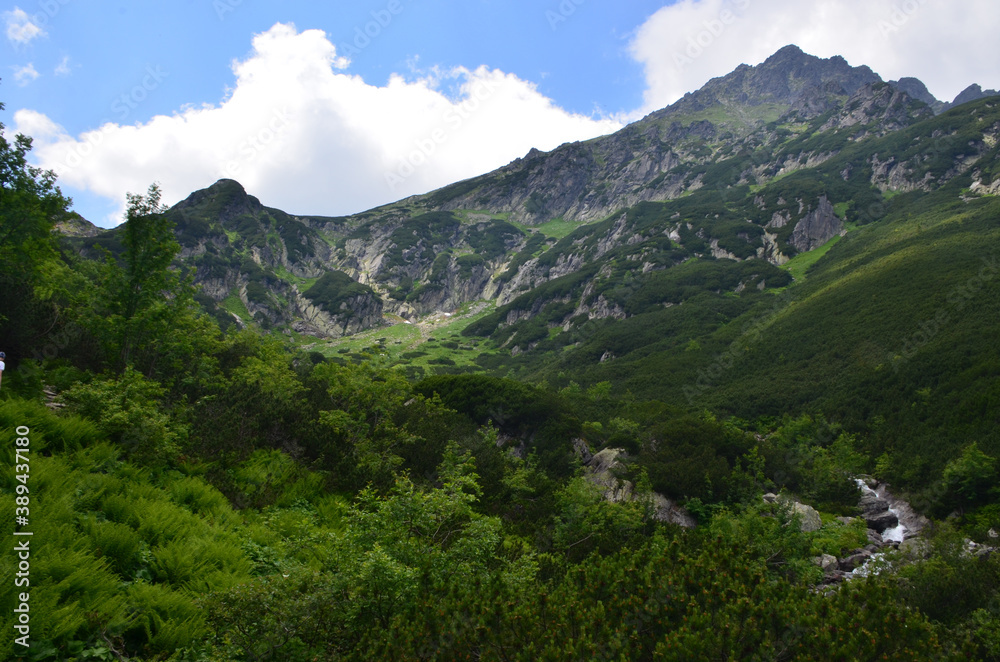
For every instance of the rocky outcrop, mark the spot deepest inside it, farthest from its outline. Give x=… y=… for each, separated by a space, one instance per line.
x=877 y=109
x=817 y=227
x=356 y=314
x=601 y=467
x=807 y=516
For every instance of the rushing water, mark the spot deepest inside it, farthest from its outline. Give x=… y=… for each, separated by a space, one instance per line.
x=896 y=534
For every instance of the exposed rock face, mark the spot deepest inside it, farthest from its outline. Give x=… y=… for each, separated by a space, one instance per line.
x=602 y=465
x=468 y=241
x=973 y=93
x=817 y=227
x=878 y=109
x=916 y=89
x=357 y=314
x=77 y=226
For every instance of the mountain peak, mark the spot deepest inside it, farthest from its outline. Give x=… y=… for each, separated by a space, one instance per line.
x=972 y=93
x=227 y=196
x=790 y=77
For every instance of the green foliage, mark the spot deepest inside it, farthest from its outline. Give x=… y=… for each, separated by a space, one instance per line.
x=515 y=409
x=970 y=479
x=115 y=561
x=31 y=270
x=126 y=410
x=334 y=291
x=143 y=295
x=585 y=522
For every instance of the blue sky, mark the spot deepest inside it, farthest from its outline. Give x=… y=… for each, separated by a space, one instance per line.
x=333 y=108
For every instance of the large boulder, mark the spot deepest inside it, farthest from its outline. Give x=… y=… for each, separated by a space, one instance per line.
x=879 y=522
x=809 y=519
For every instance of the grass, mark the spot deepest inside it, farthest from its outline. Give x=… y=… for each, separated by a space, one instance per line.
x=799 y=265
x=720 y=115
x=557 y=228
x=436 y=336
x=468 y=215
x=302 y=283
x=233 y=304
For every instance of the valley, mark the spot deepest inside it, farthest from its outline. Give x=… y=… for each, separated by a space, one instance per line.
x=665 y=394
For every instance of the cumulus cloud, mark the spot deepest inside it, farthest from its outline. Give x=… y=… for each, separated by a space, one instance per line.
x=26 y=74
x=947 y=46
x=302 y=133
x=20 y=29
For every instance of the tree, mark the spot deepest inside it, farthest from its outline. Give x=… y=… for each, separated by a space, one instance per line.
x=143 y=296
x=968 y=479
x=30 y=204
x=31 y=270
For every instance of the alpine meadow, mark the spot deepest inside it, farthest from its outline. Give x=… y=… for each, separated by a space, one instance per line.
x=721 y=385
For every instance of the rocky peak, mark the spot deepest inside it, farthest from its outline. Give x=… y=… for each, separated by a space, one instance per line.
x=916 y=89
x=786 y=78
x=973 y=92
x=226 y=199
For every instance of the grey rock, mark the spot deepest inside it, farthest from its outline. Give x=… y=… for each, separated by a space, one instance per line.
x=826 y=562
x=817 y=227
x=854 y=561
x=881 y=521
x=601 y=467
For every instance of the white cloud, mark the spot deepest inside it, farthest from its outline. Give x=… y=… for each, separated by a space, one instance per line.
x=947 y=45
x=20 y=29
x=26 y=74
x=303 y=134
x=63 y=68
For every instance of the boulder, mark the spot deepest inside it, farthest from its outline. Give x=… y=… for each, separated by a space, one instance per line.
x=827 y=562
x=854 y=561
x=881 y=521
x=871 y=504
x=809 y=517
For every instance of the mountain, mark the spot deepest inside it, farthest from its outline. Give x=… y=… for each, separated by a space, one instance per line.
x=808 y=319
x=755 y=168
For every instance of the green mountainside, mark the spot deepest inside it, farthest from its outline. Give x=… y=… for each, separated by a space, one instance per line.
x=661 y=395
